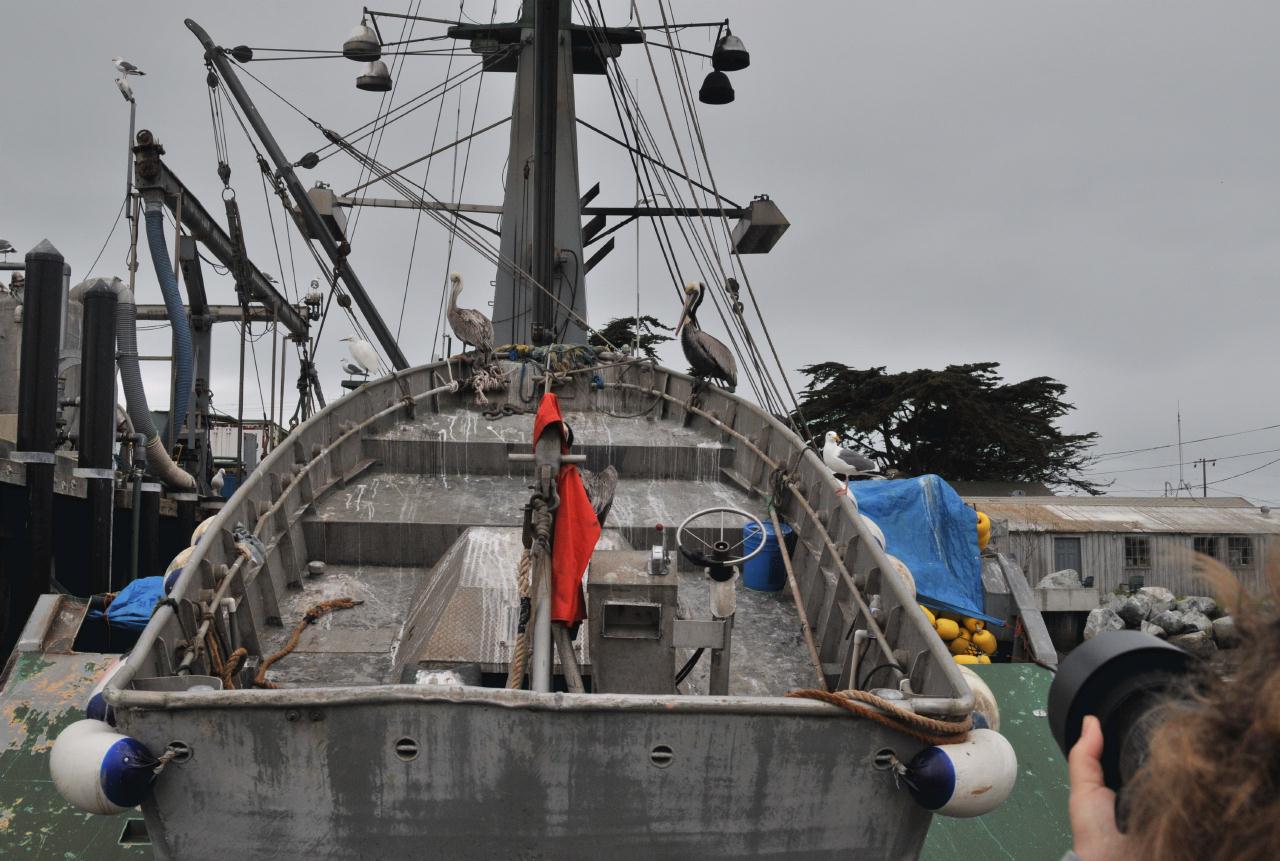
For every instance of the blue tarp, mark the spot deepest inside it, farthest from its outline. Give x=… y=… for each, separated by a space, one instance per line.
x=927 y=525
x=133 y=604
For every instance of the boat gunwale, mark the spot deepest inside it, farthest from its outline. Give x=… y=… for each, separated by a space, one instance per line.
x=396 y=384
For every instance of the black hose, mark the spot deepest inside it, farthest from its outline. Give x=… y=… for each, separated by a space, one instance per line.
x=688 y=666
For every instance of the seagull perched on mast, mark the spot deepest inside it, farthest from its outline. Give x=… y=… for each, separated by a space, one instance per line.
x=847 y=462
x=469 y=325
x=125 y=90
x=125 y=67
x=363 y=357
x=707 y=356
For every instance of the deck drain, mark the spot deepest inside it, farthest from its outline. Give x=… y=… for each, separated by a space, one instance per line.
x=661 y=756
x=407 y=749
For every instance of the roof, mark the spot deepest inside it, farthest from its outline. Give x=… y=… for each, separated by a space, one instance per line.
x=1000 y=488
x=1073 y=514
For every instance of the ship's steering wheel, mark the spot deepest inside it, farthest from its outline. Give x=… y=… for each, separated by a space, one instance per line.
x=715 y=554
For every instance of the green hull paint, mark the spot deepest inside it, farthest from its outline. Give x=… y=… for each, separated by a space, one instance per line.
x=44 y=694
x=1032 y=825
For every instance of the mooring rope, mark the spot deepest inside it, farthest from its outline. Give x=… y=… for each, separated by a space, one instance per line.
x=311 y=616
x=889 y=714
x=538 y=538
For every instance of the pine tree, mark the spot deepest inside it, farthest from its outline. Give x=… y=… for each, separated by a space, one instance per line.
x=963 y=423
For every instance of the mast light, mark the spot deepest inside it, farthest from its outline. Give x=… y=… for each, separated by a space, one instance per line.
x=362 y=45
x=729 y=54
x=716 y=89
x=376 y=78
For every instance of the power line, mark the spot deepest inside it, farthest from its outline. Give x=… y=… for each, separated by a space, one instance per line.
x=1171 y=465
x=1184 y=442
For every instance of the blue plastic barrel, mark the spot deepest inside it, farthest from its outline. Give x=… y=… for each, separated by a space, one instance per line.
x=765 y=572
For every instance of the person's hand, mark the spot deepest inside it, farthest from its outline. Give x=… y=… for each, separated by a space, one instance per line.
x=1092 y=806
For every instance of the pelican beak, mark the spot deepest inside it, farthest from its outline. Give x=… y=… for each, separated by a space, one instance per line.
x=684 y=310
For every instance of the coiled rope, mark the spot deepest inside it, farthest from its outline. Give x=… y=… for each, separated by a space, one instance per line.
x=889 y=714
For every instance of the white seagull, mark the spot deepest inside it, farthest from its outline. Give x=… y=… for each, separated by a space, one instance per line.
x=125 y=67
x=219 y=479
x=846 y=461
x=6 y=248
x=363 y=357
x=125 y=90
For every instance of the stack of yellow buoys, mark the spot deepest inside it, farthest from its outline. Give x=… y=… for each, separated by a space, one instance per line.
x=968 y=639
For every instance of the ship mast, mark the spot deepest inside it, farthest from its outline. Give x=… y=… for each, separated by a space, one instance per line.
x=546 y=60
x=540 y=291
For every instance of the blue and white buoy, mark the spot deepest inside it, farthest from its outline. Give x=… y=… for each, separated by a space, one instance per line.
x=99 y=770
x=174 y=571
x=966 y=779
x=97 y=708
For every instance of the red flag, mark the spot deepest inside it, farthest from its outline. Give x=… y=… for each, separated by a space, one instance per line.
x=576 y=528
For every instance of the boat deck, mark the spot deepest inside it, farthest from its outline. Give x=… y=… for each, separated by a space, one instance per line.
x=428 y=538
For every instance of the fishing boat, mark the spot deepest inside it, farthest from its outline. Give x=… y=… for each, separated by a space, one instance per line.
x=492 y=605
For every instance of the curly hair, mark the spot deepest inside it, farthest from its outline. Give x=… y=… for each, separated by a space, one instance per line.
x=1210 y=786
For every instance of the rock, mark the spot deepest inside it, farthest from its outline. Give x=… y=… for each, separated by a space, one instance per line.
x=1114 y=601
x=1171 y=621
x=1064 y=579
x=1153 y=630
x=1135 y=610
x=1200 y=604
x=1101 y=620
x=1224 y=632
x=1198 y=643
x=1161 y=598
x=1196 y=621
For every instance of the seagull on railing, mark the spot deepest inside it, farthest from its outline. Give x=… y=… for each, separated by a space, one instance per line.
x=846 y=461
x=125 y=67
x=6 y=248
x=363 y=357
x=218 y=481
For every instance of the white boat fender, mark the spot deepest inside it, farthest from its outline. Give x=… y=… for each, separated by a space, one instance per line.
x=99 y=770
x=97 y=707
x=986 y=712
x=201 y=528
x=876 y=532
x=174 y=571
x=967 y=779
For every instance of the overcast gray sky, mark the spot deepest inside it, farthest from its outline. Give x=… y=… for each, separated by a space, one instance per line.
x=1085 y=190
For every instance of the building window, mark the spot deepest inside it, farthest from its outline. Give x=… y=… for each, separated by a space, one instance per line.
x=1206 y=544
x=1240 y=551
x=1137 y=551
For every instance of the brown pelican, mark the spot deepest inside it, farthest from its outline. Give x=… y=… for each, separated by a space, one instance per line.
x=600 y=487
x=708 y=357
x=469 y=325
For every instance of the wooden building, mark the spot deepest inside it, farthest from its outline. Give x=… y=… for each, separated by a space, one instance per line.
x=1117 y=540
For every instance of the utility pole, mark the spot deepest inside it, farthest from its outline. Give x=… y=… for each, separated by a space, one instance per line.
x=1203 y=463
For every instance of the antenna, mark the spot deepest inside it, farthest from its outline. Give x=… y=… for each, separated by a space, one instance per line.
x=1182 y=482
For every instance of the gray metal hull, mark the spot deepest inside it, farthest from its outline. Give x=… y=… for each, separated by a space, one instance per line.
x=532 y=777
x=324 y=766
